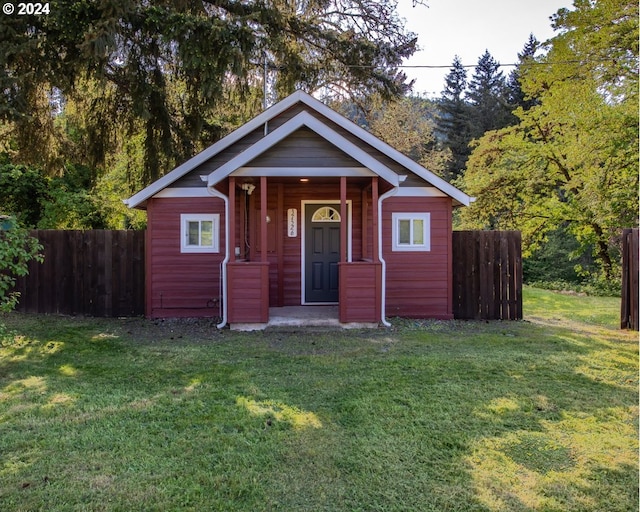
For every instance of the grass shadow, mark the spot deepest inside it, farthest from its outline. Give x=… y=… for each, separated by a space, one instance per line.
x=122 y=414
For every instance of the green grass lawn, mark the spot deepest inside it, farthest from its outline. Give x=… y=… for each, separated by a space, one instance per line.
x=132 y=415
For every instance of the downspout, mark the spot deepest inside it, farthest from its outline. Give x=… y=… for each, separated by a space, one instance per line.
x=383 y=295
x=223 y=265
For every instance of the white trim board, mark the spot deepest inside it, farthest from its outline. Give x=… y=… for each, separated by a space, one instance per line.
x=183 y=192
x=305 y=119
x=459 y=197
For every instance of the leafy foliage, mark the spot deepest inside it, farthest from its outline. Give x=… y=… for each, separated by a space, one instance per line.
x=17 y=248
x=573 y=158
x=161 y=69
x=408 y=125
x=23 y=191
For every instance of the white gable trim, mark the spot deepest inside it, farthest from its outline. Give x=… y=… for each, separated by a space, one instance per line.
x=213 y=150
x=392 y=153
x=302 y=172
x=293 y=124
x=272 y=112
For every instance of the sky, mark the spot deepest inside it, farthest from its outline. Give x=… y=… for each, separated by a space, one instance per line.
x=467 y=28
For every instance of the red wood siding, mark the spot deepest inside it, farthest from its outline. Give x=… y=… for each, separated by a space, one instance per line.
x=418 y=284
x=181 y=285
x=248 y=284
x=360 y=288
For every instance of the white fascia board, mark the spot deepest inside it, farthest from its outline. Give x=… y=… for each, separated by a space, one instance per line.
x=213 y=150
x=420 y=192
x=301 y=172
x=293 y=124
x=383 y=147
x=323 y=110
x=183 y=192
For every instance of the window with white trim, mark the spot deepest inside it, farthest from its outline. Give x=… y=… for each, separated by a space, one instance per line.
x=411 y=231
x=199 y=232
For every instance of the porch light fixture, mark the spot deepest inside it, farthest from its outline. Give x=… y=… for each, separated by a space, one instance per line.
x=304 y=180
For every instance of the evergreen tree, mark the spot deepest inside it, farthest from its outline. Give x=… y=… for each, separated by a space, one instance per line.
x=515 y=94
x=453 y=118
x=571 y=162
x=163 y=68
x=487 y=96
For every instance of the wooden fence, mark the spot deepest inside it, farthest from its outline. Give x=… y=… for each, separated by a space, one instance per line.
x=487 y=275
x=629 y=307
x=101 y=273
x=93 y=273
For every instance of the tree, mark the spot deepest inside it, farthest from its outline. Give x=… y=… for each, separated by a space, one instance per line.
x=17 y=248
x=572 y=161
x=515 y=95
x=487 y=96
x=453 y=119
x=23 y=192
x=161 y=69
x=408 y=125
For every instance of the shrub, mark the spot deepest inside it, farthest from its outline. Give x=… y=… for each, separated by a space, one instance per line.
x=17 y=248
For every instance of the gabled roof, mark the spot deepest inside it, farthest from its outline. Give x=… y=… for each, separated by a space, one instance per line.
x=307 y=120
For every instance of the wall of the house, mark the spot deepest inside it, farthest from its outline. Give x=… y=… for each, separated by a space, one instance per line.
x=419 y=284
x=181 y=285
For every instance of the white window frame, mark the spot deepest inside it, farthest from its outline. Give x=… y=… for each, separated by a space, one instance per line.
x=411 y=246
x=185 y=218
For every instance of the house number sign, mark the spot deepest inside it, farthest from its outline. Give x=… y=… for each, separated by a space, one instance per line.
x=292 y=222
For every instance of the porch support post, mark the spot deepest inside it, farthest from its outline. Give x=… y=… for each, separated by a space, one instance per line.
x=344 y=220
x=374 y=217
x=232 y=218
x=263 y=219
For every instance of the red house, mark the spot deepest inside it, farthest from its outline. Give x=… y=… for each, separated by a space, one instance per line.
x=298 y=207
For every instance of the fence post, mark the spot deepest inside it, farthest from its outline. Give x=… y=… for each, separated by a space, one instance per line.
x=630 y=272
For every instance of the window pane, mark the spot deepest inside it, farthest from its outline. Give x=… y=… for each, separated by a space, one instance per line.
x=418 y=232
x=404 y=231
x=206 y=227
x=194 y=233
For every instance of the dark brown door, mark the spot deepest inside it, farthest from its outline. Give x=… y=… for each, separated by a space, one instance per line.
x=322 y=253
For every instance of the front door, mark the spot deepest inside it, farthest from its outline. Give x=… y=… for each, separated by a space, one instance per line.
x=322 y=252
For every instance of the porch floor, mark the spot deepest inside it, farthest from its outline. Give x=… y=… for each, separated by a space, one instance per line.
x=304 y=316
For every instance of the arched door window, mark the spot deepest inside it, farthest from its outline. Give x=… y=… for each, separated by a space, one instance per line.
x=326 y=214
